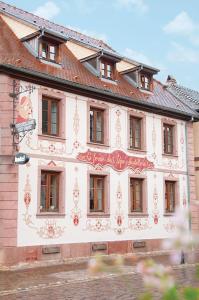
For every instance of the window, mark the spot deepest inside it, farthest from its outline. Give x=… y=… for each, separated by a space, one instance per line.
x=49 y=51
x=107 y=69
x=145 y=81
x=168 y=138
x=170 y=187
x=50 y=117
x=97 y=192
x=49 y=198
x=136 y=194
x=135 y=133
x=96 y=125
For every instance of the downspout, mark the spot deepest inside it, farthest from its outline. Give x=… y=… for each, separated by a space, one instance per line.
x=188 y=173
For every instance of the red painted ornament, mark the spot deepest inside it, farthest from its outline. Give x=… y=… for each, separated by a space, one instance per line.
x=76 y=220
x=119 y=220
x=27 y=199
x=156 y=219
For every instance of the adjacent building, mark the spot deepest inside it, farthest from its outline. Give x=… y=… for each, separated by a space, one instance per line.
x=111 y=156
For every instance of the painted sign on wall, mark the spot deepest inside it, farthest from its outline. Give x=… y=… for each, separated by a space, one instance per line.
x=118 y=160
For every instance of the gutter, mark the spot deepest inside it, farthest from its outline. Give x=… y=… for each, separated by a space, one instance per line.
x=188 y=175
x=104 y=95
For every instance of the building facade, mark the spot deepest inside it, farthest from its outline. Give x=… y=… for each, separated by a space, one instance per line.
x=111 y=156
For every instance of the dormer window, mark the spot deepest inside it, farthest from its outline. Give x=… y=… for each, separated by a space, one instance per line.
x=107 y=69
x=49 y=51
x=145 y=81
x=45 y=45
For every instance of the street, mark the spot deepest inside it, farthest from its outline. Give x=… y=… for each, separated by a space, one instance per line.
x=74 y=282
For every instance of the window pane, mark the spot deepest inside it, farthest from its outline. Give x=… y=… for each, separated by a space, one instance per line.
x=135 y=133
x=44 y=116
x=91 y=126
x=54 y=116
x=99 y=127
x=43 y=191
x=52 y=52
x=53 y=192
x=136 y=195
x=44 y=50
x=102 y=69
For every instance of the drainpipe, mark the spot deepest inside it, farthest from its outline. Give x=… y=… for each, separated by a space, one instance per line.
x=188 y=186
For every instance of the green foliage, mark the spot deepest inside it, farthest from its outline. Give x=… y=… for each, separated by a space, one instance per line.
x=171 y=294
x=190 y=293
x=146 y=296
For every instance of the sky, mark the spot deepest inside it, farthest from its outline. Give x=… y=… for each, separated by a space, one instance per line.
x=163 y=34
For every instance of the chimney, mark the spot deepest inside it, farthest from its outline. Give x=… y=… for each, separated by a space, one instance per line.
x=171 y=80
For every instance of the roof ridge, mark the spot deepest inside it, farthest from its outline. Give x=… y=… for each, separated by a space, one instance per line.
x=53 y=23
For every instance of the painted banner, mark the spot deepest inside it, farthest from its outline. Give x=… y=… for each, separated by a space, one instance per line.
x=118 y=160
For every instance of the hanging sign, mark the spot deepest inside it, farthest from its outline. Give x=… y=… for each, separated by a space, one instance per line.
x=25 y=126
x=118 y=160
x=21 y=159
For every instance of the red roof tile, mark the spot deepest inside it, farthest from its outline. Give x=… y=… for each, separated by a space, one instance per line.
x=13 y=52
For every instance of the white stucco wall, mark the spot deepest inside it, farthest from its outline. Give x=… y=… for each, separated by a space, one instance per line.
x=34 y=230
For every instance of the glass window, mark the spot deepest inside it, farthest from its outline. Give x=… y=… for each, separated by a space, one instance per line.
x=135 y=133
x=50 y=116
x=96 y=125
x=170 y=196
x=107 y=69
x=49 y=197
x=97 y=193
x=136 y=186
x=168 y=138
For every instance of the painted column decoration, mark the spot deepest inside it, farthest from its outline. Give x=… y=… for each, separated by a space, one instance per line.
x=118 y=140
x=155 y=213
x=76 y=212
x=119 y=215
x=76 y=121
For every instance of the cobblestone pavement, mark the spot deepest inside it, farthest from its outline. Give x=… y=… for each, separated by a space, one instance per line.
x=74 y=282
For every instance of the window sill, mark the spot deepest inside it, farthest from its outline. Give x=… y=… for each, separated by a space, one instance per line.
x=139 y=151
x=51 y=63
x=98 y=215
x=138 y=215
x=51 y=138
x=50 y=215
x=109 y=80
x=171 y=214
x=97 y=145
x=169 y=155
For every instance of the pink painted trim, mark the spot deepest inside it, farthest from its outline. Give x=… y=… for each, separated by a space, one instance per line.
x=142 y=116
x=52 y=94
x=106 y=212
x=62 y=185
x=105 y=107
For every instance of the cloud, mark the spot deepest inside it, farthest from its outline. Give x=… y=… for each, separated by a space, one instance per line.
x=47 y=11
x=138 y=5
x=96 y=35
x=137 y=56
x=183 y=54
x=184 y=26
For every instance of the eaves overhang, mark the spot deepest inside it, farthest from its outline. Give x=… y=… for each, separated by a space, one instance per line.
x=84 y=90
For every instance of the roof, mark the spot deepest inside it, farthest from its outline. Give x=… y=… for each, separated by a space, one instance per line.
x=39 y=23
x=186 y=95
x=14 y=53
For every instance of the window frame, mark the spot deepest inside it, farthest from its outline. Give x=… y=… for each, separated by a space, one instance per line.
x=107 y=63
x=61 y=189
x=48 y=44
x=51 y=100
x=174 y=181
x=105 y=108
x=142 y=117
x=144 y=212
x=150 y=81
x=106 y=200
x=173 y=124
x=95 y=111
x=55 y=95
